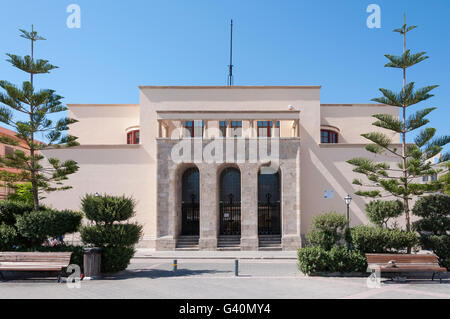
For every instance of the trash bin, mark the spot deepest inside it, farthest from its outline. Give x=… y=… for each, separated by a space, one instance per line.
x=92 y=263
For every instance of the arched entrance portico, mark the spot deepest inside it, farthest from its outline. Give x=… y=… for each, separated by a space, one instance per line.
x=230 y=201
x=269 y=199
x=190 y=202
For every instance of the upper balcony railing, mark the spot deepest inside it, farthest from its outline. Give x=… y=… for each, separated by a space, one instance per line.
x=228 y=124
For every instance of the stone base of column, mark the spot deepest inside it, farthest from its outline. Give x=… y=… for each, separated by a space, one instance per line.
x=249 y=243
x=291 y=242
x=207 y=244
x=165 y=243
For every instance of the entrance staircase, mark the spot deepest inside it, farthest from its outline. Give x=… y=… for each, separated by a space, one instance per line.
x=187 y=243
x=229 y=242
x=270 y=242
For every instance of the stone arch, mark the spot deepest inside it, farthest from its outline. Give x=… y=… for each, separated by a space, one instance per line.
x=187 y=208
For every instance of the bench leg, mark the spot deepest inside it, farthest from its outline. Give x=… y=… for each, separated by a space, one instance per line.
x=59 y=276
x=432 y=278
x=2 y=277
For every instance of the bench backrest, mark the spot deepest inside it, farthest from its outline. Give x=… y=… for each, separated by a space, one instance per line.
x=402 y=259
x=61 y=258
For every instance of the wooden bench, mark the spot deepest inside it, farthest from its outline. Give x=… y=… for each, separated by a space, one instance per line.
x=34 y=261
x=396 y=264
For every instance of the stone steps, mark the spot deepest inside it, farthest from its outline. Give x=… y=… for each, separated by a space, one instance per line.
x=232 y=242
x=187 y=243
x=269 y=242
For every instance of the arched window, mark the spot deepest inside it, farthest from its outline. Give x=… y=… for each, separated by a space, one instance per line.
x=133 y=137
x=328 y=136
x=190 y=202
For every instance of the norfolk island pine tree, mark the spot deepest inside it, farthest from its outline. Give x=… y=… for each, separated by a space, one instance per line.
x=35 y=107
x=414 y=159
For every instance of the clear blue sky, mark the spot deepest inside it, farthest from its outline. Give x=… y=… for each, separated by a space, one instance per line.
x=122 y=44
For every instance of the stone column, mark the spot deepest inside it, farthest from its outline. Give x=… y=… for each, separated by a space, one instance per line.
x=160 y=128
x=167 y=202
x=228 y=130
x=246 y=129
x=249 y=206
x=208 y=207
x=290 y=205
x=275 y=130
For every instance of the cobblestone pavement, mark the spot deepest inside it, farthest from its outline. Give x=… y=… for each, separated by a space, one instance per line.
x=214 y=278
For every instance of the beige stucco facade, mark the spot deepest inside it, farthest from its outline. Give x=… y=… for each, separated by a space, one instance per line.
x=153 y=175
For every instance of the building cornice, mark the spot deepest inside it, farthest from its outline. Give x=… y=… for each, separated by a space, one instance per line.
x=98 y=146
x=348 y=145
x=356 y=104
x=84 y=105
x=234 y=87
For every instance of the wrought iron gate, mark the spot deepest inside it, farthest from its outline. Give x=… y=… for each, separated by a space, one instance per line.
x=269 y=217
x=190 y=207
x=190 y=218
x=230 y=217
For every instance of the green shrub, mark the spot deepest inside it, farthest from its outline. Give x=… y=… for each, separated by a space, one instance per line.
x=116 y=234
x=313 y=260
x=327 y=230
x=368 y=239
x=434 y=225
x=116 y=239
x=10 y=209
x=38 y=226
x=344 y=260
x=441 y=247
x=8 y=237
x=108 y=209
x=115 y=259
x=379 y=211
x=434 y=211
x=23 y=193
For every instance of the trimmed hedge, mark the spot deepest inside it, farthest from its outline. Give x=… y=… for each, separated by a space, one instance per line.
x=22 y=228
x=108 y=232
x=116 y=258
x=38 y=226
x=116 y=234
x=314 y=260
x=327 y=230
x=369 y=239
x=108 y=209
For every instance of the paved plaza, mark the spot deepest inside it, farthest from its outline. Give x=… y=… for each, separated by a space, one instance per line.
x=197 y=277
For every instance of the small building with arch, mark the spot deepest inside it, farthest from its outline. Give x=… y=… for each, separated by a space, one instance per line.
x=220 y=167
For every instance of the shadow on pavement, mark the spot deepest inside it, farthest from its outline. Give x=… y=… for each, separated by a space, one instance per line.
x=157 y=273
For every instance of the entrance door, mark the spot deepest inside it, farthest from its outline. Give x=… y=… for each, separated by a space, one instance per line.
x=190 y=203
x=269 y=221
x=230 y=202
